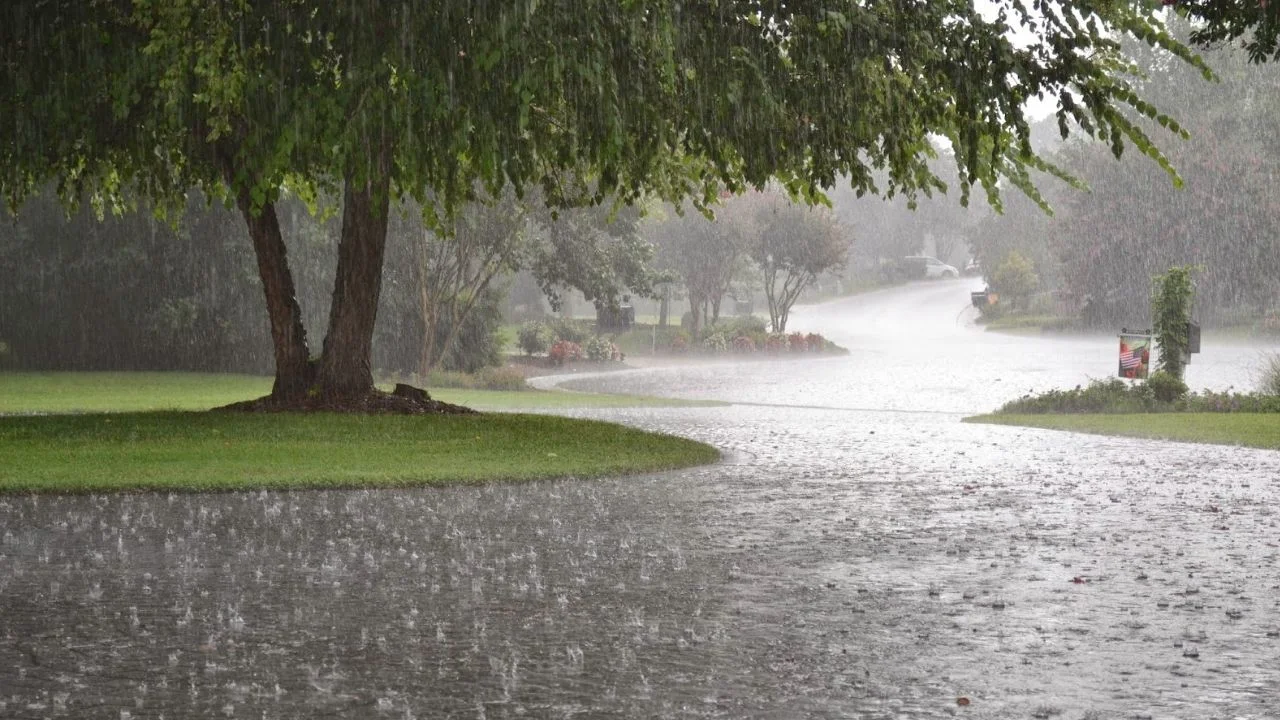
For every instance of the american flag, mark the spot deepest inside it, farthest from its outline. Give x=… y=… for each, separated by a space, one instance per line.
x=1131 y=358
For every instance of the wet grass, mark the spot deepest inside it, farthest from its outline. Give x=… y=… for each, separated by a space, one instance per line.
x=1031 y=324
x=1260 y=430
x=198 y=451
x=75 y=392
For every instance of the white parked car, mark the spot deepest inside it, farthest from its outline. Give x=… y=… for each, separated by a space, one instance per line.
x=933 y=267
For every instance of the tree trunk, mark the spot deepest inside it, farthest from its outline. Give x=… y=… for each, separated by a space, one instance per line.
x=346 y=364
x=695 y=312
x=294 y=373
x=430 y=314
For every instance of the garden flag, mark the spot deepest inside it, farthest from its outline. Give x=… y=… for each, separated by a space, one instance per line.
x=1135 y=356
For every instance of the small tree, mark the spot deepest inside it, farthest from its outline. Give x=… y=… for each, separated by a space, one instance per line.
x=793 y=245
x=1016 y=279
x=1171 y=299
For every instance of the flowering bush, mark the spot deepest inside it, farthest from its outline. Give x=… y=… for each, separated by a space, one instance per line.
x=716 y=343
x=599 y=349
x=564 y=351
x=744 y=344
x=776 y=342
x=796 y=342
x=815 y=342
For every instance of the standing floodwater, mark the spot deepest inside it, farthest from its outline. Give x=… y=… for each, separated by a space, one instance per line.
x=861 y=553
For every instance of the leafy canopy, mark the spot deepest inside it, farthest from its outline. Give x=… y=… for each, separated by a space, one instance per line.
x=587 y=98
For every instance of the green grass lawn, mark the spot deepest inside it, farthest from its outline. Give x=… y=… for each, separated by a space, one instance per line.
x=231 y=451
x=140 y=431
x=1248 y=429
x=1030 y=324
x=69 y=392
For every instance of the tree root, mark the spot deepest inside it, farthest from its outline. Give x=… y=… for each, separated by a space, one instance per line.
x=404 y=400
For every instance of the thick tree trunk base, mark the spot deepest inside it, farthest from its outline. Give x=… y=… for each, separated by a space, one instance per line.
x=406 y=400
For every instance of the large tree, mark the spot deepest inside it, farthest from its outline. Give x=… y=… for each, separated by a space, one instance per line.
x=372 y=101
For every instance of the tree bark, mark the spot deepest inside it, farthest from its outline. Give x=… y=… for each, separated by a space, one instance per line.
x=294 y=373
x=346 y=363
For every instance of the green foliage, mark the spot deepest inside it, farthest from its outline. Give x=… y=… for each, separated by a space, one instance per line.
x=1162 y=393
x=128 y=291
x=476 y=343
x=1269 y=382
x=1171 y=299
x=1255 y=25
x=243 y=98
x=601 y=349
x=1166 y=387
x=489 y=378
x=792 y=245
x=715 y=343
x=569 y=330
x=1015 y=279
x=747 y=325
x=534 y=337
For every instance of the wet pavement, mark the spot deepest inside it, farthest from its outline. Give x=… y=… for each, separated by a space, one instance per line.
x=860 y=553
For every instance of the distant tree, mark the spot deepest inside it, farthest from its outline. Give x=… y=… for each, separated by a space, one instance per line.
x=456 y=263
x=1226 y=218
x=597 y=251
x=793 y=245
x=707 y=254
x=1015 y=279
x=1254 y=24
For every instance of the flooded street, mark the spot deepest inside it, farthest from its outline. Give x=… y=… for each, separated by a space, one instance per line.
x=860 y=553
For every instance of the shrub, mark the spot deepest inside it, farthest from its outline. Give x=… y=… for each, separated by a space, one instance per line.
x=1111 y=395
x=1116 y=396
x=1269 y=383
x=564 y=351
x=1166 y=387
x=775 y=342
x=747 y=325
x=743 y=344
x=534 y=337
x=716 y=342
x=598 y=349
x=796 y=342
x=478 y=341
x=1016 y=279
x=568 y=330
x=680 y=342
x=815 y=342
x=492 y=378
